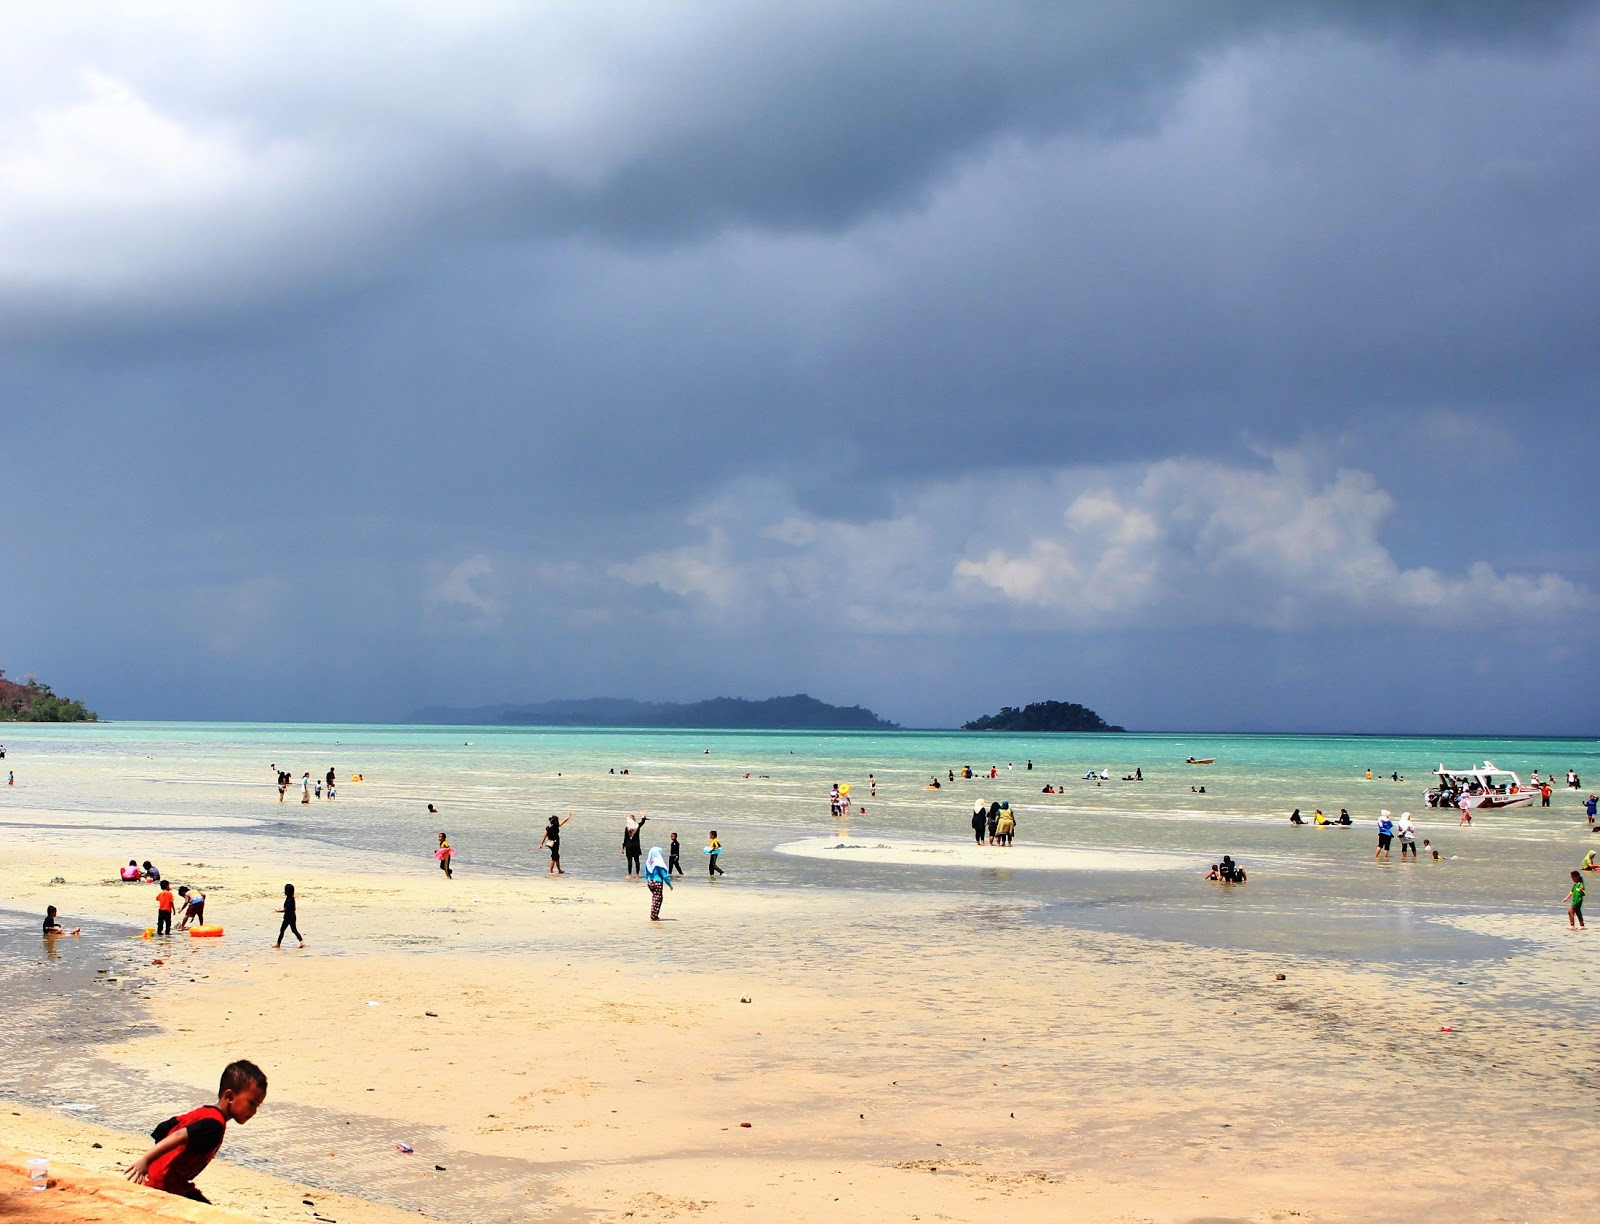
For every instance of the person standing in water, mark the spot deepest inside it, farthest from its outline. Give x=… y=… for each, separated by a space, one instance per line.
x=980 y=820
x=632 y=850
x=444 y=854
x=552 y=838
x=672 y=856
x=655 y=876
x=289 y=923
x=714 y=852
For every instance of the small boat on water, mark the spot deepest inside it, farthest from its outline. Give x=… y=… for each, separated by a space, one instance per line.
x=1201 y=761
x=1483 y=787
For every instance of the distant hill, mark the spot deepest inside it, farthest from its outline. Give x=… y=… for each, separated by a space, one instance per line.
x=1042 y=716
x=798 y=713
x=33 y=701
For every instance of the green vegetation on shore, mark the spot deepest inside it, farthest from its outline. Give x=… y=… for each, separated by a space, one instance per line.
x=1042 y=716
x=32 y=701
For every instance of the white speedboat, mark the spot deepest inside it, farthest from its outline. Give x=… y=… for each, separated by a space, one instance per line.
x=1479 y=787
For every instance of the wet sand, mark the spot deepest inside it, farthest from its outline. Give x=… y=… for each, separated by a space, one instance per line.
x=900 y=1056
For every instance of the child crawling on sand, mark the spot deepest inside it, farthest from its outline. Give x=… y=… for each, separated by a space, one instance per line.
x=185 y=1144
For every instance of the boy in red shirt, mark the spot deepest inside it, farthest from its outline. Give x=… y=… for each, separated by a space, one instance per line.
x=186 y=1144
x=164 y=901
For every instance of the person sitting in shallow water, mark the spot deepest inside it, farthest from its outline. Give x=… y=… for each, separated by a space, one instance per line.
x=1294 y=817
x=1214 y=874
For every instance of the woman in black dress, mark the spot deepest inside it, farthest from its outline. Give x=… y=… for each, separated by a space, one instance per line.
x=552 y=838
x=632 y=850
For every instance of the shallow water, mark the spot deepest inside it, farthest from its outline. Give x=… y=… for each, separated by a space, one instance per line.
x=1315 y=891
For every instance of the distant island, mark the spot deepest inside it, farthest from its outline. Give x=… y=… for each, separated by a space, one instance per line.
x=33 y=701
x=1042 y=716
x=797 y=713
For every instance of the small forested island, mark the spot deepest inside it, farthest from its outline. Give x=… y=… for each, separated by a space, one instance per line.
x=1042 y=716
x=800 y=712
x=33 y=701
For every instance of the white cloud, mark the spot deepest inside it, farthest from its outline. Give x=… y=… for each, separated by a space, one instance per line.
x=701 y=572
x=1180 y=542
x=457 y=594
x=101 y=192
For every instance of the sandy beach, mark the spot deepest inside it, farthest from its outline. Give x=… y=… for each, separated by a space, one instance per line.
x=548 y=1053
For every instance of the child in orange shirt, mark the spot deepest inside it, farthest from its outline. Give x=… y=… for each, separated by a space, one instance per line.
x=164 y=902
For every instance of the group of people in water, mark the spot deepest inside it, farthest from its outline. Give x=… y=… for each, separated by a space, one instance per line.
x=1320 y=820
x=995 y=820
x=655 y=868
x=308 y=784
x=1227 y=871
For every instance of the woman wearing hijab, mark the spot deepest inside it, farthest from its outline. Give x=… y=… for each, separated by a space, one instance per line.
x=1007 y=824
x=655 y=875
x=631 y=846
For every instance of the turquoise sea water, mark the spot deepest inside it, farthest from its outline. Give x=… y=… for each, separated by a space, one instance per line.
x=1310 y=890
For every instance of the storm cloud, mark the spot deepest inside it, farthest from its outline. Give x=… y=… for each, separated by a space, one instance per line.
x=929 y=356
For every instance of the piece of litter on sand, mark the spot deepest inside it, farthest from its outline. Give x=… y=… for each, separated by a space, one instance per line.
x=406 y=1148
x=435 y=1015
x=372 y=1002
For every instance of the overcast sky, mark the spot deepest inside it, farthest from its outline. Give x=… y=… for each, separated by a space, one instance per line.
x=1226 y=365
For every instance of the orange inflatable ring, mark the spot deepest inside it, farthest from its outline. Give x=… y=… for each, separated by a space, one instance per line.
x=205 y=932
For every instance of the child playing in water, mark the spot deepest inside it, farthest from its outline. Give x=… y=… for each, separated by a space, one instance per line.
x=444 y=854
x=289 y=923
x=164 y=903
x=185 y=1144
x=52 y=927
x=1575 y=902
x=672 y=855
x=714 y=851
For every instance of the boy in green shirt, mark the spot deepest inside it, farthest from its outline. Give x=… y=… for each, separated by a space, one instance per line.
x=1575 y=902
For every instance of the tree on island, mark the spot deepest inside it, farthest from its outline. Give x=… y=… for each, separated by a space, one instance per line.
x=1042 y=716
x=33 y=701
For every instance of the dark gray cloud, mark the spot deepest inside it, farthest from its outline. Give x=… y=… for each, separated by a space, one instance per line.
x=485 y=364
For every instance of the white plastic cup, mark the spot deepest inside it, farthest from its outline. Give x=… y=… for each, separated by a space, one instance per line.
x=39 y=1173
